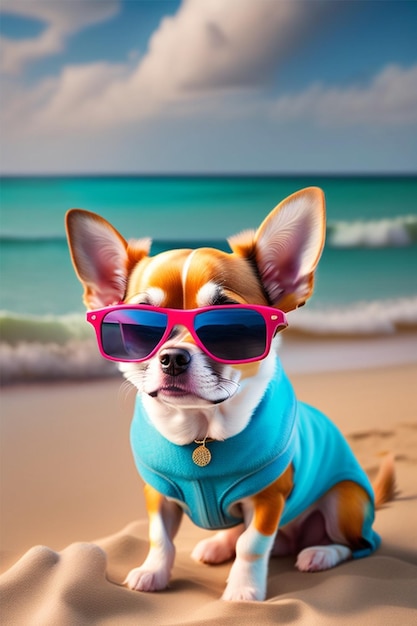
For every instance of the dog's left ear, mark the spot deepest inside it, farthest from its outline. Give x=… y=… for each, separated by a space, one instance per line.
x=101 y=257
x=287 y=247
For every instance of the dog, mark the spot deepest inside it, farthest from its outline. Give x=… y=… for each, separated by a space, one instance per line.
x=217 y=430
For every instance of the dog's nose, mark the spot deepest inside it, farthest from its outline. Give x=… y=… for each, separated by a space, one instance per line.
x=174 y=361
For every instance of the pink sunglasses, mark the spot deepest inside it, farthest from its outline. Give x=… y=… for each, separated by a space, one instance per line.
x=235 y=333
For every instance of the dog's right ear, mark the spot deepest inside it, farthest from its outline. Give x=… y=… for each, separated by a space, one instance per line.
x=286 y=248
x=101 y=257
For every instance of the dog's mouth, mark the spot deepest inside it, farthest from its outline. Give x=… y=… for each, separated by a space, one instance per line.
x=177 y=394
x=204 y=386
x=174 y=391
x=180 y=397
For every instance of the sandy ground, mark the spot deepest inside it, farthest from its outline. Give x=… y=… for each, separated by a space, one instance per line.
x=68 y=483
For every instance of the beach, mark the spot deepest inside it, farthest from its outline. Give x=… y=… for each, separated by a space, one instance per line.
x=69 y=484
x=73 y=519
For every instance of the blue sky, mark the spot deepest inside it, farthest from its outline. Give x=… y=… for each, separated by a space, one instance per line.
x=211 y=86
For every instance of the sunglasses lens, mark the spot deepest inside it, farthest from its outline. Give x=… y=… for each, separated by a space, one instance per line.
x=233 y=334
x=132 y=334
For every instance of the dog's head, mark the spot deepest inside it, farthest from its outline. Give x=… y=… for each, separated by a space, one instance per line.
x=188 y=394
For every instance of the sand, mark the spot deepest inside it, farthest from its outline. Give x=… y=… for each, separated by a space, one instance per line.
x=69 y=488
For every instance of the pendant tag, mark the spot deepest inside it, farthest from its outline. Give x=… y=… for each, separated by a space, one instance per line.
x=201 y=455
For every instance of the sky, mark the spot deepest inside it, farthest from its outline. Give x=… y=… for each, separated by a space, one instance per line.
x=208 y=86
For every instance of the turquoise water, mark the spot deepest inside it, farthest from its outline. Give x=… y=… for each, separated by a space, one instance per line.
x=190 y=208
x=370 y=255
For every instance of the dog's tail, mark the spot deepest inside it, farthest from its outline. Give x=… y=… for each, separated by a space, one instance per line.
x=384 y=484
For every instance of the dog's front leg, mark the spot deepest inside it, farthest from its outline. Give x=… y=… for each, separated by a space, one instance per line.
x=164 y=521
x=248 y=575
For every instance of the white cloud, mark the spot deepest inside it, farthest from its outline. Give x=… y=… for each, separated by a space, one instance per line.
x=390 y=99
x=221 y=45
x=207 y=50
x=61 y=20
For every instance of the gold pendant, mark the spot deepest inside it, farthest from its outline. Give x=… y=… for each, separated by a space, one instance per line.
x=201 y=455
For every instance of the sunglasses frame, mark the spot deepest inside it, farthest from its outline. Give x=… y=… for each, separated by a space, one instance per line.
x=275 y=321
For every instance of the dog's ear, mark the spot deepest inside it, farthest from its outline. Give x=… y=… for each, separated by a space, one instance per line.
x=101 y=257
x=286 y=247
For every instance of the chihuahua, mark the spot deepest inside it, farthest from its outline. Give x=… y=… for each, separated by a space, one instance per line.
x=217 y=431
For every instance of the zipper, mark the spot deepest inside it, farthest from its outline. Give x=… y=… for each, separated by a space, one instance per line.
x=206 y=517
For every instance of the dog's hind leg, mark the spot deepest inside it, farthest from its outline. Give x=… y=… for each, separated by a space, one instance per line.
x=318 y=558
x=344 y=509
x=164 y=520
x=219 y=548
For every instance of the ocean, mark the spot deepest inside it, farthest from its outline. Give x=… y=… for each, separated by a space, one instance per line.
x=366 y=283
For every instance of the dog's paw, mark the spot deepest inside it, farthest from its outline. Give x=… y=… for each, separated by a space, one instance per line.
x=213 y=551
x=319 y=558
x=247 y=581
x=242 y=594
x=145 y=579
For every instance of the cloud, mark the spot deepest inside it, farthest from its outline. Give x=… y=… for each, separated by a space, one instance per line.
x=61 y=19
x=204 y=52
x=217 y=45
x=201 y=60
x=389 y=99
x=103 y=96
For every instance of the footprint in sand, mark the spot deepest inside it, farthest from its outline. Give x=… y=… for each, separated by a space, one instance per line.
x=370 y=445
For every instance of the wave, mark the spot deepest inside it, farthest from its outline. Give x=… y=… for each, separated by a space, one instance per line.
x=56 y=329
x=383 y=233
x=27 y=238
x=37 y=362
x=379 y=317
x=34 y=349
x=38 y=348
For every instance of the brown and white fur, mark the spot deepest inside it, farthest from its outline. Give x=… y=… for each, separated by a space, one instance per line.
x=273 y=266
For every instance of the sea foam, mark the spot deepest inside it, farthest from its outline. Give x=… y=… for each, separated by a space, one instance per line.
x=384 y=233
x=50 y=347
x=379 y=317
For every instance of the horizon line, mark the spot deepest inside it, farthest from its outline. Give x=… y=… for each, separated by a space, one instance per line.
x=249 y=174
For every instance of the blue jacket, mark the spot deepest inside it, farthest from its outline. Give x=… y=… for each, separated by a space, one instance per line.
x=281 y=431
